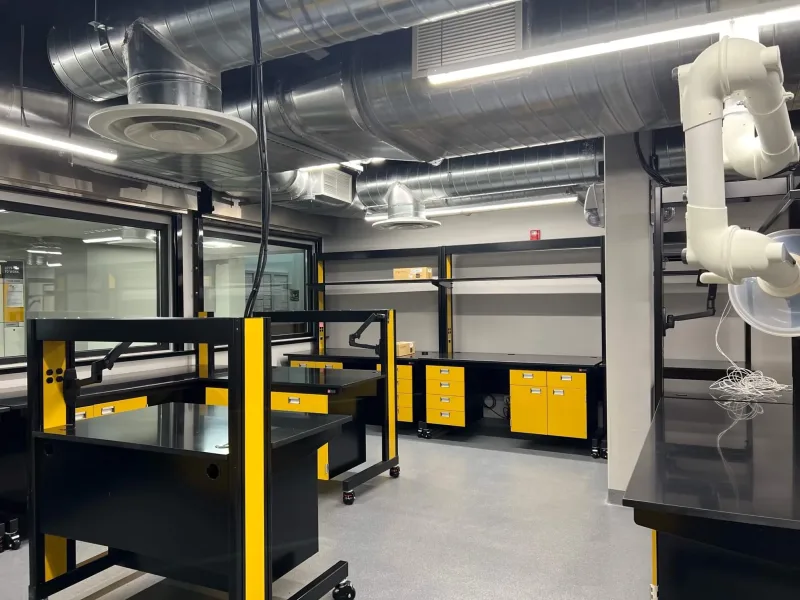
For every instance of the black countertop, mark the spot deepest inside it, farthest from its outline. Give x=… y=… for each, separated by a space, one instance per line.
x=330 y=381
x=751 y=476
x=466 y=358
x=204 y=429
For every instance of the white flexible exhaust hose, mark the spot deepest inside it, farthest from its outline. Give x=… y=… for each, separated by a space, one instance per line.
x=728 y=252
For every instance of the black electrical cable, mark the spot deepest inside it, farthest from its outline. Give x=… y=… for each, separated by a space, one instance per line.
x=651 y=171
x=257 y=86
x=23 y=120
x=506 y=410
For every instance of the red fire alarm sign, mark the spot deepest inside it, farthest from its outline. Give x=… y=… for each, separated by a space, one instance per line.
x=536 y=234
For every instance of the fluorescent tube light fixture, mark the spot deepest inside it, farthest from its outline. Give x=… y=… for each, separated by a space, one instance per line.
x=450 y=211
x=219 y=245
x=43 y=251
x=54 y=264
x=320 y=167
x=651 y=38
x=24 y=135
x=103 y=240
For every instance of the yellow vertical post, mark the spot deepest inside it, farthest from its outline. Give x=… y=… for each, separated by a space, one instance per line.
x=202 y=354
x=448 y=274
x=655 y=558
x=255 y=465
x=391 y=384
x=321 y=306
x=54 y=414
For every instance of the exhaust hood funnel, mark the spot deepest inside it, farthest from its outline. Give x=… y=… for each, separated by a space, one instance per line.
x=405 y=211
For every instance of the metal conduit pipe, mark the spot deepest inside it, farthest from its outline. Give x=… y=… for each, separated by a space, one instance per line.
x=214 y=35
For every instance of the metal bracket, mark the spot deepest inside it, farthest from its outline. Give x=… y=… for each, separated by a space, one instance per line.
x=710 y=311
x=653 y=592
x=73 y=385
x=354 y=337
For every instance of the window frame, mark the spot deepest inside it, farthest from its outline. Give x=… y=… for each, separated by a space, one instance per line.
x=38 y=205
x=225 y=230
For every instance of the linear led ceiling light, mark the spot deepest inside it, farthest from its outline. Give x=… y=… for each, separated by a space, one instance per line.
x=43 y=251
x=449 y=211
x=24 y=135
x=103 y=240
x=650 y=36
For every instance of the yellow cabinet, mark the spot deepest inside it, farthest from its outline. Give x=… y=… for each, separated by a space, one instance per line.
x=85 y=412
x=566 y=412
x=529 y=409
x=216 y=396
x=405 y=386
x=329 y=365
x=556 y=379
x=405 y=414
x=444 y=373
x=448 y=388
x=453 y=418
x=444 y=402
x=405 y=372
x=310 y=403
x=533 y=378
x=405 y=400
x=120 y=406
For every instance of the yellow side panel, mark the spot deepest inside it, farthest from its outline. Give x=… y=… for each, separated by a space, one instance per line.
x=444 y=373
x=391 y=384
x=405 y=400
x=120 y=406
x=537 y=378
x=404 y=372
x=447 y=417
x=321 y=305
x=405 y=414
x=566 y=380
x=655 y=558
x=566 y=412
x=405 y=386
x=55 y=557
x=322 y=463
x=443 y=402
x=54 y=408
x=309 y=403
x=448 y=388
x=216 y=396
x=529 y=409
x=254 y=460
x=202 y=354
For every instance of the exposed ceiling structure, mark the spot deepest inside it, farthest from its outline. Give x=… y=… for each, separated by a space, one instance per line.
x=512 y=133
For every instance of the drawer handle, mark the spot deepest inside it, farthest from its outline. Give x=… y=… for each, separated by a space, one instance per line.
x=566 y=378
x=444 y=384
x=329 y=366
x=536 y=390
x=443 y=399
x=527 y=375
x=444 y=371
x=445 y=415
x=107 y=410
x=558 y=392
x=293 y=400
x=80 y=416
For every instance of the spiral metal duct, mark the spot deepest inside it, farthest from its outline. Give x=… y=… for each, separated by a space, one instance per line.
x=215 y=34
x=575 y=163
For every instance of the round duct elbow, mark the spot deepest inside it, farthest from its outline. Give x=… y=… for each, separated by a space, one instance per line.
x=405 y=211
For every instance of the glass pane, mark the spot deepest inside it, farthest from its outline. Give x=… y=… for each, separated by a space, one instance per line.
x=229 y=267
x=55 y=267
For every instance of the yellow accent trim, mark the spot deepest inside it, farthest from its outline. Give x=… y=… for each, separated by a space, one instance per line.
x=55 y=557
x=54 y=408
x=655 y=558
x=254 y=461
x=322 y=464
x=216 y=396
x=202 y=350
x=391 y=384
x=321 y=305
x=448 y=271
x=120 y=406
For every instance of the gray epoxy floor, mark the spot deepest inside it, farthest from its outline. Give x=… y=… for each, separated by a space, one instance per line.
x=470 y=519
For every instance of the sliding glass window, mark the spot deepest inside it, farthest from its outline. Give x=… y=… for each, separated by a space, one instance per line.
x=229 y=265
x=56 y=266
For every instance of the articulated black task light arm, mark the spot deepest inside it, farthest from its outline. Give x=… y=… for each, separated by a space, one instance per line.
x=710 y=311
x=73 y=385
x=354 y=337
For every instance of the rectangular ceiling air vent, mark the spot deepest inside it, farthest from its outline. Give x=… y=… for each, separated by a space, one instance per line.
x=460 y=40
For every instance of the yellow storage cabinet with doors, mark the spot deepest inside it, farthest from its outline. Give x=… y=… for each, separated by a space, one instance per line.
x=549 y=403
x=529 y=406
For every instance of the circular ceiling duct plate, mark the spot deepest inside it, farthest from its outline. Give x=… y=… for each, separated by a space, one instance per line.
x=173 y=129
x=406 y=223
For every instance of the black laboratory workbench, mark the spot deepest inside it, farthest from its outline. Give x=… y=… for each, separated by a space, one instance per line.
x=726 y=509
x=701 y=370
x=318 y=381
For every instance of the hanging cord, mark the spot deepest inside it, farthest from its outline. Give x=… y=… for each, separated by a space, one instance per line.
x=651 y=171
x=492 y=404
x=257 y=86
x=23 y=120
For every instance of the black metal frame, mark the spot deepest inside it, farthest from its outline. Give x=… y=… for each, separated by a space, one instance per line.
x=165 y=272
x=359 y=316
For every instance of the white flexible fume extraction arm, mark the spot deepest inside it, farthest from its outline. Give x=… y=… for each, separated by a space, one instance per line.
x=748 y=74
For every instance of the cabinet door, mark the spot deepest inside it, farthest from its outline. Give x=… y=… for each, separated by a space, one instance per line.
x=566 y=412
x=529 y=409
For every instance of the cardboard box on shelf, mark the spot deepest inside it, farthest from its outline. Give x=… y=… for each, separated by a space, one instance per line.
x=405 y=349
x=414 y=273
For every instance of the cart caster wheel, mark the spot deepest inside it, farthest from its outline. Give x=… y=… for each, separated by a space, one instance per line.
x=595 y=453
x=604 y=454
x=394 y=472
x=16 y=544
x=348 y=498
x=344 y=591
x=428 y=434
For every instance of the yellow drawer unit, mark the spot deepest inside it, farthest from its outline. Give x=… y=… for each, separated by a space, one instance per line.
x=303 y=363
x=319 y=364
x=326 y=364
x=566 y=412
x=443 y=402
x=405 y=386
x=453 y=418
x=444 y=373
x=448 y=388
x=557 y=379
x=309 y=403
x=120 y=406
x=405 y=400
x=532 y=378
x=405 y=414
x=85 y=412
x=405 y=372
x=529 y=409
